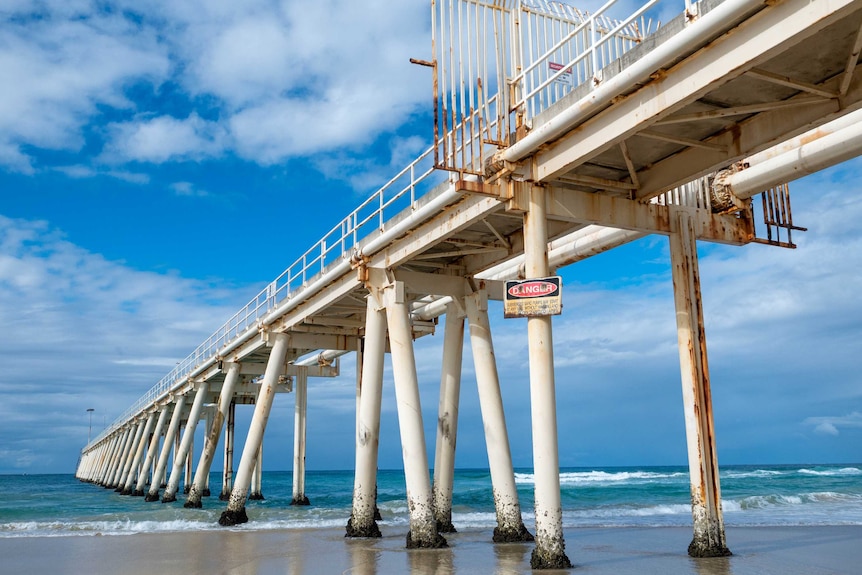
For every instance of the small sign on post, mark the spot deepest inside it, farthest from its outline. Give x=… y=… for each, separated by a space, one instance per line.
x=566 y=76
x=533 y=297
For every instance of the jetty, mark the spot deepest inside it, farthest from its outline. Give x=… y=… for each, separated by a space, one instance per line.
x=558 y=134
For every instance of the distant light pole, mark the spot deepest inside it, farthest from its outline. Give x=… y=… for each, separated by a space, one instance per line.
x=90 y=429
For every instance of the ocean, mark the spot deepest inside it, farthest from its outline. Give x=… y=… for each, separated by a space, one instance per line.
x=759 y=495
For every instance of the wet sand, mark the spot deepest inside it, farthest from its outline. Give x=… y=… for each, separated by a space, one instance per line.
x=618 y=551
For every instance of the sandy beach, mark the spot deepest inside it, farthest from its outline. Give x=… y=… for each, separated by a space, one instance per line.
x=781 y=550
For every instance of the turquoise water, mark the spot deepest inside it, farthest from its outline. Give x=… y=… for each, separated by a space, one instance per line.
x=50 y=505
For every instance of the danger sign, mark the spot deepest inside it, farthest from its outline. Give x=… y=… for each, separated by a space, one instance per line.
x=533 y=297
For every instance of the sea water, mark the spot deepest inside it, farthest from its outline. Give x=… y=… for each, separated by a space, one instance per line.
x=762 y=495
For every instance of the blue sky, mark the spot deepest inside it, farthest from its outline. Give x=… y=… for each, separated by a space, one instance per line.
x=160 y=162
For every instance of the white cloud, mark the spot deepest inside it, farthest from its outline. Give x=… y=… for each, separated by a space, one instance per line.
x=59 y=68
x=162 y=139
x=188 y=189
x=287 y=78
x=81 y=331
x=831 y=425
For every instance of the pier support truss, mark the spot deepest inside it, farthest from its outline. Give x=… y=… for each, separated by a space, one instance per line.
x=213 y=434
x=235 y=512
x=161 y=466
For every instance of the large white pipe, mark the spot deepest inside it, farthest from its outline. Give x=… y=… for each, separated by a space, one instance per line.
x=814 y=155
x=691 y=38
x=578 y=245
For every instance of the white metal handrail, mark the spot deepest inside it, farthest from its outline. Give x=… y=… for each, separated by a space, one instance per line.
x=338 y=244
x=601 y=30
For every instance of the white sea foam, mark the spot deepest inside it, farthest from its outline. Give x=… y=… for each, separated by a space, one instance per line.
x=754 y=473
x=602 y=477
x=844 y=471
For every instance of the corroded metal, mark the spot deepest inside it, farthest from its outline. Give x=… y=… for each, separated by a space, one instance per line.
x=709 y=539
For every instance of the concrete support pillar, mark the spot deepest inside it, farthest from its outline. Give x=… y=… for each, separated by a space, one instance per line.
x=361 y=522
x=423 y=527
x=139 y=454
x=129 y=455
x=227 y=473
x=151 y=452
x=189 y=466
x=105 y=469
x=185 y=453
x=550 y=551
x=299 y=427
x=119 y=461
x=510 y=525
x=161 y=466
x=111 y=464
x=709 y=540
x=213 y=433
x=447 y=419
x=256 y=493
x=209 y=416
x=235 y=512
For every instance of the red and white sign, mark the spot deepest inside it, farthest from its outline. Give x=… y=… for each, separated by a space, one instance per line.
x=533 y=297
x=566 y=77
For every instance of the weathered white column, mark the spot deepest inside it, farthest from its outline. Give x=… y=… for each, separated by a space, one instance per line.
x=361 y=522
x=151 y=452
x=130 y=454
x=423 y=527
x=185 y=450
x=105 y=460
x=189 y=465
x=139 y=454
x=213 y=434
x=299 y=428
x=235 y=512
x=510 y=526
x=161 y=466
x=108 y=465
x=550 y=551
x=227 y=470
x=209 y=416
x=121 y=457
x=256 y=493
x=447 y=419
x=709 y=540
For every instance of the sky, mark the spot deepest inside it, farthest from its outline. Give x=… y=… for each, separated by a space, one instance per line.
x=160 y=162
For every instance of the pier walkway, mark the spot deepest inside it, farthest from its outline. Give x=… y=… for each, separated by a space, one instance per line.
x=558 y=135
